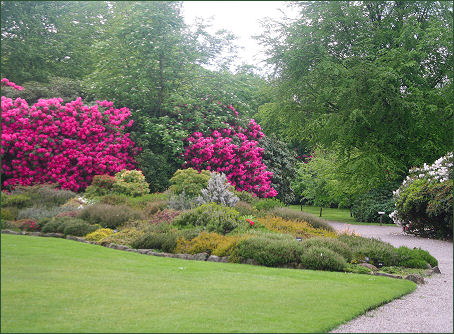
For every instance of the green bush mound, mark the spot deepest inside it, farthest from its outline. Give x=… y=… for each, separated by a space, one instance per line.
x=69 y=226
x=131 y=183
x=332 y=244
x=109 y=216
x=415 y=258
x=322 y=258
x=373 y=251
x=189 y=181
x=268 y=249
x=15 y=200
x=312 y=220
x=212 y=217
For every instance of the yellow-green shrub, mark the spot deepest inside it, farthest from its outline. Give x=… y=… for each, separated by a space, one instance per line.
x=99 y=234
x=124 y=237
x=131 y=183
x=295 y=228
x=211 y=243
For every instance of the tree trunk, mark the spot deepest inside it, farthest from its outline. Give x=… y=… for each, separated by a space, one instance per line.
x=321 y=209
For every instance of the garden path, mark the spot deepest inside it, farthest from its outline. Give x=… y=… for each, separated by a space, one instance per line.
x=429 y=309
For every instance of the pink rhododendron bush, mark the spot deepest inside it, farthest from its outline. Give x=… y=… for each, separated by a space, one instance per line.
x=65 y=144
x=235 y=152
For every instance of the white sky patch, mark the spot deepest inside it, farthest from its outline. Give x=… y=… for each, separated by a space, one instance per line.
x=241 y=18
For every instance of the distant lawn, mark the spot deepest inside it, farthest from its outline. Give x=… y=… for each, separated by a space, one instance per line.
x=340 y=215
x=57 y=285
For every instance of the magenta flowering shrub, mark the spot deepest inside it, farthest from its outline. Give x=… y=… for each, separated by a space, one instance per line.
x=64 y=144
x=235 y=152
x=6 y=82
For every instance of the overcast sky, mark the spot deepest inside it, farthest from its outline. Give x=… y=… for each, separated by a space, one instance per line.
x=241 y=18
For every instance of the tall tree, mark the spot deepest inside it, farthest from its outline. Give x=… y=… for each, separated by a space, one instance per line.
x=371 y=81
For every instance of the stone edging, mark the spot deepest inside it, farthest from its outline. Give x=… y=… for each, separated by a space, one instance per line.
x=197 y=257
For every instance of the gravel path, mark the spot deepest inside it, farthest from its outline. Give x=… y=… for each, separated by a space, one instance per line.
x=429 y=309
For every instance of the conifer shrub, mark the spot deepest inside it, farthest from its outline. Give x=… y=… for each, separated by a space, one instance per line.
x=217 y=191
x=189 y=181
x=125 y=237
x=99 y=234
x=296 y=228
x=211 y=243
x=414 y=258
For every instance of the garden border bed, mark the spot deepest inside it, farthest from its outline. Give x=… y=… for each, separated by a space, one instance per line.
x=419 y=279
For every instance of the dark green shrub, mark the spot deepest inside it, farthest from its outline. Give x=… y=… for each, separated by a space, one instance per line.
x=267 y=204
x=370 y=250
x=189 y=181
x=367 y=206
x=414 y=258
x=109 y=216
x=269 y=250
x=312 y=220
x=51 y=226
x=357 y=269
x=78 y=228
x=101 y=185
x=335 y=245
x=212 y=217
x=321 y=258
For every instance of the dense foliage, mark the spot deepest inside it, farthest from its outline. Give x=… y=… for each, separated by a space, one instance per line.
x=64 y=144
x=424 y=201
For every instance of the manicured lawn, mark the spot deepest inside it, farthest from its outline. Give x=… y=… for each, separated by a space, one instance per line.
x=57 y=285
x=340 y=215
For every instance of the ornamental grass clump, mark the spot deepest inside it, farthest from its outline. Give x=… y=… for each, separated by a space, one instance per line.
x=217 y=192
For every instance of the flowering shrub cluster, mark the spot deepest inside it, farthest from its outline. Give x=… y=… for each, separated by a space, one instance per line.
x=65 y=144
x=6 y=82
x=424 y=199
x=235 y=152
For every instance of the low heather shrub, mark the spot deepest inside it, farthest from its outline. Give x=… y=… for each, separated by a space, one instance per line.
x=335 y=245
x=245 y=209
x=414 y=258
x=295 y=228
x=246 y=196
x=109 y=216
x=100 y=185
x=153 y=207
x=164 y=216
x=124 y=237
x=268 y=249
x=9 y=213
x=27 y=225
x=15 y=200
x=181 y=202
x=213 y=217
x=321 y=258
x=267 y=204
x=78 y=228
x=312 y=220
x=38 y=212
x=44 y=194
x=99 y=234
x=371 y=250
x=211 y=243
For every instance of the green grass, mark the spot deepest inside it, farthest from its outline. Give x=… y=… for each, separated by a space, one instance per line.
x=340 y=215
x=57 y=285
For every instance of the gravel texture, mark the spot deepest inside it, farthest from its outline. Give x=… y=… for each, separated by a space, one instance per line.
x=429 y=309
